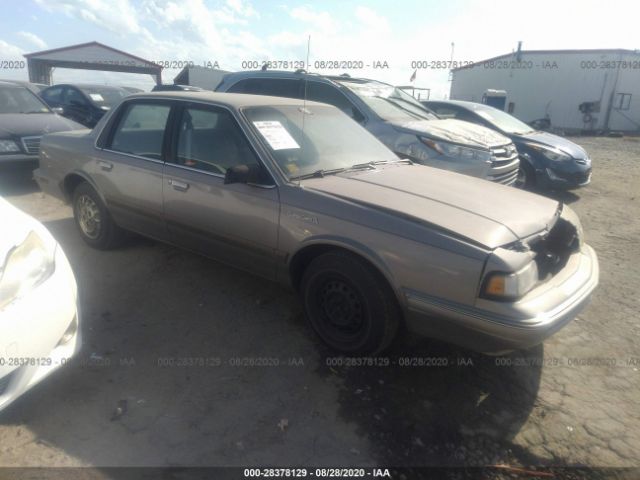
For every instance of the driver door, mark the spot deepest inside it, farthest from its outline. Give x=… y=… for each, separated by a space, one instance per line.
x=232 y=223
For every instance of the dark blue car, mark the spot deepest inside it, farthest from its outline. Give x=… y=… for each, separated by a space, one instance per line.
x=547 y=161
x=83 y=103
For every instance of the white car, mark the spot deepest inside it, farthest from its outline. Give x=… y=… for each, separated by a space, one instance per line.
x=39 y=317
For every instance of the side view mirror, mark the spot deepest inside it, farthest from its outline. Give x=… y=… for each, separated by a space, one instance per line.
x=242 y=174
x=58 y=110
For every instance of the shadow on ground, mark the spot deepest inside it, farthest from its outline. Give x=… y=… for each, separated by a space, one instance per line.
x=17 y=179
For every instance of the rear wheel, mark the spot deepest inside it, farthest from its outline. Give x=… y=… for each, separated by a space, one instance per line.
x=93 y=220
x=349 y=304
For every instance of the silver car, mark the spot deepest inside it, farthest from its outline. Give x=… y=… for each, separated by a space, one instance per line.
x=299 y=193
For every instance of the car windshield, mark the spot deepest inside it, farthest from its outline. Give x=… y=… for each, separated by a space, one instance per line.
x=389 y=102
x=105 y=97
x=502 y=120
x=314 y=139
x=20 y=100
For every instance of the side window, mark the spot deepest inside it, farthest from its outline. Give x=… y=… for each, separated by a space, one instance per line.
x=321 y=92
x=211 y=140
x=275 y=87
x=74 y=97
x=52 y=94
x=140 y=130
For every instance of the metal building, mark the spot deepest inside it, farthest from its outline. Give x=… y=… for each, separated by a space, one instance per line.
x=573 y=90
x=88 y=56
x=197 y=76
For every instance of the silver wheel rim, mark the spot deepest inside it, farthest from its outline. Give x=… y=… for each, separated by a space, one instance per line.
x=88 y=216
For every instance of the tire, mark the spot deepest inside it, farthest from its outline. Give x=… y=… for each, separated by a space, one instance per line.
x=526 y=176
x=93 y=220
x=349 y=304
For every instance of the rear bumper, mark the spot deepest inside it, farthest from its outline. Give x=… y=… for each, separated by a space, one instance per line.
x=39 y=332
x=485 y=331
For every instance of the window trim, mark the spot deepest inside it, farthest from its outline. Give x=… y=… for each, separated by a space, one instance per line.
x=340 y=92
x=105 y=138
x=266 y=77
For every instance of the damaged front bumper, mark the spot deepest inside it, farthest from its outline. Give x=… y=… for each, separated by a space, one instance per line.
x=497 y=327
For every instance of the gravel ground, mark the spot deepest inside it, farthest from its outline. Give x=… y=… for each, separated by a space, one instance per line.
x=572 y=401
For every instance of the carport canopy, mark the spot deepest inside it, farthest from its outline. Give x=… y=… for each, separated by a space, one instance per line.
x=88 y=56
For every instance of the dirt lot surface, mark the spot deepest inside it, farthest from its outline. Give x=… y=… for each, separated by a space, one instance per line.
x=152 y=312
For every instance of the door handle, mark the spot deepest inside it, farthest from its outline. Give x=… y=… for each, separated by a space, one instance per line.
x=180 y=186
x=106 y=166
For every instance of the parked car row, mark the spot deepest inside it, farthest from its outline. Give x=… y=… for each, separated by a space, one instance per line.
x=350 y=191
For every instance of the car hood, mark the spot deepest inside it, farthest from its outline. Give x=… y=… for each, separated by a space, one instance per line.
x=455 y=131
x=551 y=140
x=480 y=211
x=34 y=124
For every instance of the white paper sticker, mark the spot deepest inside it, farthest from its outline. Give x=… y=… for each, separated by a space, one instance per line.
x=96 y=97
x=276 y=135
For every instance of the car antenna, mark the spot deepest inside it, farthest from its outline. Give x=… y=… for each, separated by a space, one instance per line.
x=304 y=97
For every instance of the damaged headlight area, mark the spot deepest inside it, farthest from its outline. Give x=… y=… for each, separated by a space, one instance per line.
x=26 y=266
x=513 y=271
x=454 y=151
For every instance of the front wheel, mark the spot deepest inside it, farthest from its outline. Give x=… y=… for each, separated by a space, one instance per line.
x=526 y=176
x=93 y=220
x=349 y=304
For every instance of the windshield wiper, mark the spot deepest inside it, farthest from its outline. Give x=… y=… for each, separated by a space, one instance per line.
x=318 y=174
x=33 y=111
x=372 y=164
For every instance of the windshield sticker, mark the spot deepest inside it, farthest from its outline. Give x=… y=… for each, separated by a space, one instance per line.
x=277 y=136
x=96 y=97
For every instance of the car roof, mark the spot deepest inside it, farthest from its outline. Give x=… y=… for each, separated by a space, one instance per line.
x=460 y=103
x=233 y=100
x=297 y=74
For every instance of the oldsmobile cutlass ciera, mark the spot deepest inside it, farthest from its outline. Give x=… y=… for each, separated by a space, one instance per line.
x=298 y=192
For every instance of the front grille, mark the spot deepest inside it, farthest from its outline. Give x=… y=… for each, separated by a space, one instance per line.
x=504 y=164
x=31 y=145
x=554 y=249
x=4 y=383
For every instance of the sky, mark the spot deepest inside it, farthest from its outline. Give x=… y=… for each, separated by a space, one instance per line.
x=389 y=35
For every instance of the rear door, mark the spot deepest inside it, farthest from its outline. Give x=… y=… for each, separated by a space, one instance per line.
x=234 y=223
x=128 y=170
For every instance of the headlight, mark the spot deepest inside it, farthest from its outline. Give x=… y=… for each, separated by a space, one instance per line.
x=27 y=265
x=8 y=146
x=551 y=153
x=457 y=151
x=511 y=285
